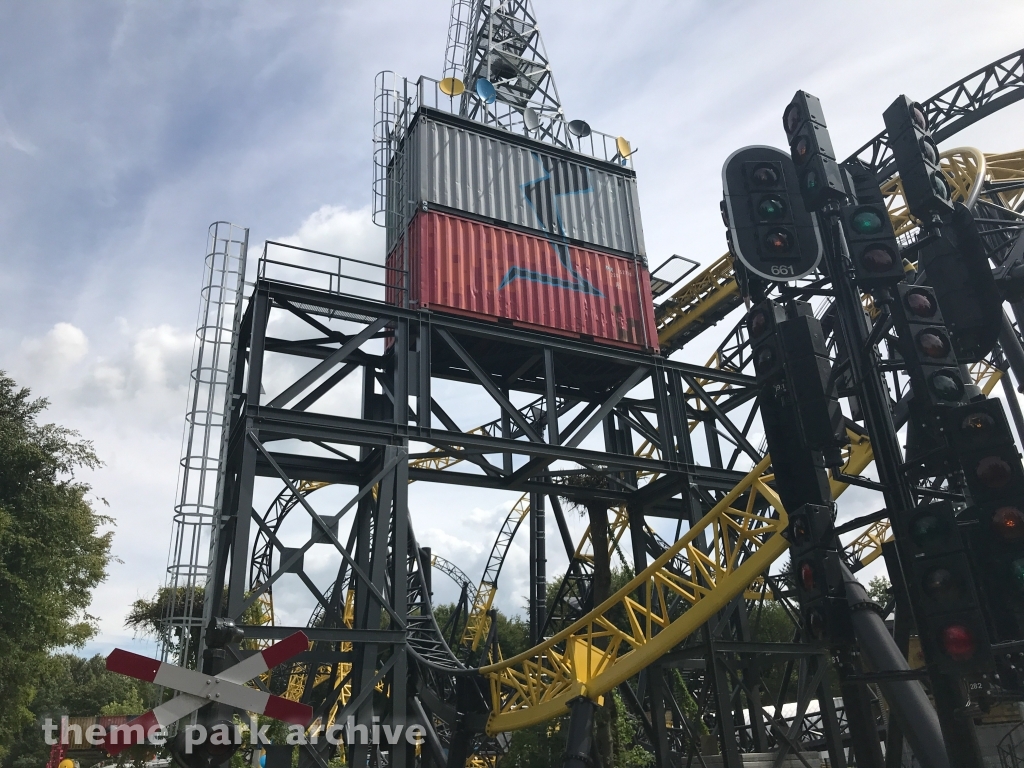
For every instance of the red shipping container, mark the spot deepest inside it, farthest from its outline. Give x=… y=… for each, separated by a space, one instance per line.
x=470 y=268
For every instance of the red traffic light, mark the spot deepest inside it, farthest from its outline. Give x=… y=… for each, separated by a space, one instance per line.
x=792 y=118
x=757 y=323
x=877 y=258
x=765 y=176
x=933 y=343
x=1008 y=523
x=920 y=302
x=918 y=116
x=958 y=642
x=778 y=242
x=807 y=576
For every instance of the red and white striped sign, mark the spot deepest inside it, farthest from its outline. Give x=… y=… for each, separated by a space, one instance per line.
x=198 y=689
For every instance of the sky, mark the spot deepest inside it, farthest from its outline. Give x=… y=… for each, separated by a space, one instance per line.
x=126 y=128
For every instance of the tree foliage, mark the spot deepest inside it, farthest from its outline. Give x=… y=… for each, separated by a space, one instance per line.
x=52 y=551
x=71 y=685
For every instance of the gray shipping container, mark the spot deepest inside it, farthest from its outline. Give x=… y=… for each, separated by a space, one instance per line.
x=464 y=167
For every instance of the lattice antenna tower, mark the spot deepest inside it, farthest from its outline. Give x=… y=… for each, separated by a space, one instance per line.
x=204 y=442
x=504 y=46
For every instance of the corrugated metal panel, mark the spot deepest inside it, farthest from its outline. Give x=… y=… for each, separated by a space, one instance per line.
x=491 y=272
x=529 y=186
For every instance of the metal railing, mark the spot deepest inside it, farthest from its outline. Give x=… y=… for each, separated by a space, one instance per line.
x=1011 y=748
x=344 y=275
x=397 y=100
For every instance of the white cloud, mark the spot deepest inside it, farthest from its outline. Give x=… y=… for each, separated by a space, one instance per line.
x=62 y=348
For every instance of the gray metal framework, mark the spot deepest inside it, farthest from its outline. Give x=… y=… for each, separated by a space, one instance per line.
x=199 y=477
x=504 y=46
x=564 y=409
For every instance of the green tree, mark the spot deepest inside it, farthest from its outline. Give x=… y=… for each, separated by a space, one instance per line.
x=52 y=552
x=71 y=685
x=879 y=589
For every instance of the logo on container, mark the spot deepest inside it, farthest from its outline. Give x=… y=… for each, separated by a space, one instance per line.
x=543 y=196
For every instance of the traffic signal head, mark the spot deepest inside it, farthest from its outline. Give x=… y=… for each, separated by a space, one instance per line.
x=924 y=185
x=766 y=346
x=218 y=740
x=770 y=231
x=926 y=346
x=869 y=233
x=956 y=265
x=818 y=574
x=982 y=441
x=981 y=438
x=942 y=588
x=811 y=149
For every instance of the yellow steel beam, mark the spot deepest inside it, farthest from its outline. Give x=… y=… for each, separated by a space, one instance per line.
x=694 y=300
x=633 y=627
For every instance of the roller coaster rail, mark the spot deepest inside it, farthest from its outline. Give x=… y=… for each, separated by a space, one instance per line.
x=627 y=421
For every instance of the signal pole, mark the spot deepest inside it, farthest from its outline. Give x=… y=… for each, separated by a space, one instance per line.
x=807 y=134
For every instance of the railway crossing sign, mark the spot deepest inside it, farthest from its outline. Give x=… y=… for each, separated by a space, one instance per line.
x=197 y=690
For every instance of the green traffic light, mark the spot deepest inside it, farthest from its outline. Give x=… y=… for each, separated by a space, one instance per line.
x=866 y=222
x=927 y=529
x=771 y=208
x=1017 y=572
x=946 y=385
x=811 y=181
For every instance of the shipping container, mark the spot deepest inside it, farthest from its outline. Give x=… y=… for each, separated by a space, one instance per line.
x=465 y=168
x=467 y=267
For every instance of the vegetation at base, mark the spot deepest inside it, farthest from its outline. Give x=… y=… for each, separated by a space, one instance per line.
x=71 y=685
x=52 y=553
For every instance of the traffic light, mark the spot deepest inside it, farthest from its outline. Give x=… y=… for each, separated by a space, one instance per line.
x=770 y=230
x=797 y=418
x=820 y=180
x=950 y=623
x=869 y=234
x=956 y=265
x=765 y=345
x=217 y=742
x=982 y=441
x=818 y=575
x=809 y=369
x=925 y=188
x=926 y=346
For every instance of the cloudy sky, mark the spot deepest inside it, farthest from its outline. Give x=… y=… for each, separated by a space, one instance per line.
x=127 y=127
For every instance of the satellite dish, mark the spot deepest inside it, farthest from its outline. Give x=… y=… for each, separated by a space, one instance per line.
x=485 y=90
x=451 y=86
x=622 y=145
x=530 y=119
x=579 y=128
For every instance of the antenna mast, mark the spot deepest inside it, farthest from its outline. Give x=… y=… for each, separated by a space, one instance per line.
x=500 y=42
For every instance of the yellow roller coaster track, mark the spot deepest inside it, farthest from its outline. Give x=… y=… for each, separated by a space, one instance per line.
x=633 y=628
